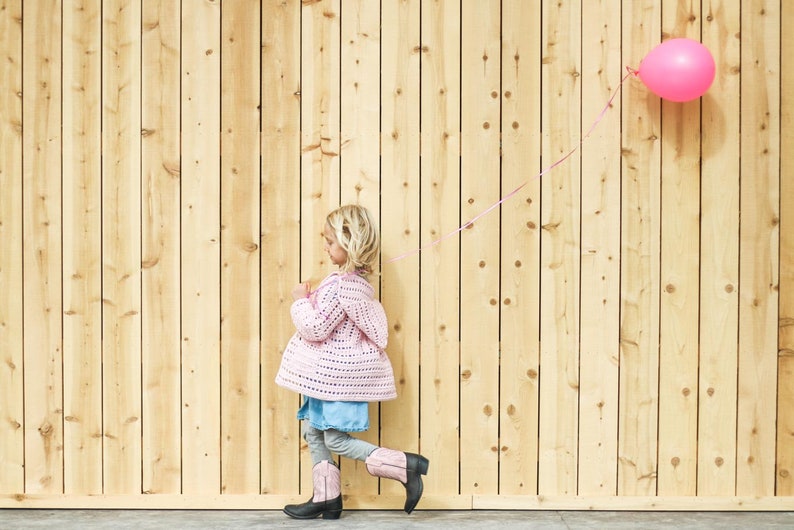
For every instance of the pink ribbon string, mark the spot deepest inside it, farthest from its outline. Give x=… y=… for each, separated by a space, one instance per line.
x=495 y=205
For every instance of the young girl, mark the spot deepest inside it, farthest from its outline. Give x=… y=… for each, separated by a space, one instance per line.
x=336 y=359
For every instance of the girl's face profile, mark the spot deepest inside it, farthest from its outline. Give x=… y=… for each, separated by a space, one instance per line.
x=335 y=251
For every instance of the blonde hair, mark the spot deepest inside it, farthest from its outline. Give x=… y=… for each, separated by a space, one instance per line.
x=357 y=233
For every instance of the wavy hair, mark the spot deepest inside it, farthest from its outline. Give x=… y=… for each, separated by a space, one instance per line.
x=357 y=233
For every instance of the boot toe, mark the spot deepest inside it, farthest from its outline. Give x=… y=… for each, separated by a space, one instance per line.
x=330 y=509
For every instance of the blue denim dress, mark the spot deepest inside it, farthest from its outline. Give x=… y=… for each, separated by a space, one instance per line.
x=344 y=416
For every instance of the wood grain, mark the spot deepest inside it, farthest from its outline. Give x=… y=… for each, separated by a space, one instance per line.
x=201 y=249
x=439 y=264
x=160 y=248
x=12 y=434
x=400 y=186
x=121 y=236
x=680 y=280
x=280 y=239
x=600 y=252
x=479 y=252
x=759 y=251
x=639 y=262
x=41 y=250
x=785 y=406
x=520 y=250
x=719 y=257
x=82 y=250
x=240 y=252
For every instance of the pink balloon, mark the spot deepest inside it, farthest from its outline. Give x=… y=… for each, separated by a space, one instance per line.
x=678 y=70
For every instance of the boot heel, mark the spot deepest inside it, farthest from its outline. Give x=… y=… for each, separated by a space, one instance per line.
x=332 y=514
x=417 y=463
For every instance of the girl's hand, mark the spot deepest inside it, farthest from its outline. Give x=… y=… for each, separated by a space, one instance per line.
x=302 y=290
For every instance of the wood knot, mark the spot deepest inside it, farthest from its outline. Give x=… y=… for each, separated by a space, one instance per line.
x=46 y=429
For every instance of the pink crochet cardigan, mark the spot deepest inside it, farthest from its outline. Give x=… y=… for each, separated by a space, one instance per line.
x=337 y=352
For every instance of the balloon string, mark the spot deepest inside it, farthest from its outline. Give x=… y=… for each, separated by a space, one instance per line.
x=495 y=205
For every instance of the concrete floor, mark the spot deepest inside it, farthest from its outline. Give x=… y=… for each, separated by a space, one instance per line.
x=351 y=519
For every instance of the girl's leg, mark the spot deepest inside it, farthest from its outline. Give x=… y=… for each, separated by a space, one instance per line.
x=317 y=447
x=326 y=498
x=407 y=468
x=345 y=445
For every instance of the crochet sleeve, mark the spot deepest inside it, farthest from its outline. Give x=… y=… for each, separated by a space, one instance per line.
x=357 y=299
x=315 y=321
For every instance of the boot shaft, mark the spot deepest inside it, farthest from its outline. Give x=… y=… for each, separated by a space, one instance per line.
x=327 y=482
x=407 y=468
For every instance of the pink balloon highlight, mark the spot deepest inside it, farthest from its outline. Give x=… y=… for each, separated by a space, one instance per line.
x=678 y=70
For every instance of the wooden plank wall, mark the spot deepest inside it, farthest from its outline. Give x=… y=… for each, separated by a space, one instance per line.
x=616 y=334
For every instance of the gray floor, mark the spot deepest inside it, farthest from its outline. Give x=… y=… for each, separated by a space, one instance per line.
x=351 y=519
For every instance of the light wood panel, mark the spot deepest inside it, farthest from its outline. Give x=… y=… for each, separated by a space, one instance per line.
x=480 y=187
x=240 y=254
x=42 y=247
x=121 y=236
x=201 y=253
x=439 y=265
x=559 y=241
x=679 y=274
x=280 y=238
x=12 y=441
x=520 y=251
x=160 y=248
x=613 y=335
x=719 y=256
x=602 y=71
x=320 y=137
x=759 y=251
x=639 y=260
x=82 y=249
x=785 y=406
x=359 y=150
x=400 y=186
x=320 y=146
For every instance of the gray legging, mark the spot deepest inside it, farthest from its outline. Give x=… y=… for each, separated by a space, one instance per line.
x=323 y=443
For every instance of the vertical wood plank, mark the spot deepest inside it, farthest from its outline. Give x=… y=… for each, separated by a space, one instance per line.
x=719 y=255
x=679 y=298
x=280 y=240
x=400 y=186
x=359 y=161
x=82 y=248
x=201 y=53
x=785 y=403
x=639 y=326
x=480 y=264
x=42 y=289
x=560 y=250
x=440 y=215
x=240 y=215
x=12 y=449
x=360 y=104
x=121 y=251
x=600 y=267
x=160 y=244
x=320 y=141
x=520 y=257
x=759 y=248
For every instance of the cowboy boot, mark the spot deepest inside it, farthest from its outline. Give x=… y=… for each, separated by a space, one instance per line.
x=327 y=497
x=408 y=468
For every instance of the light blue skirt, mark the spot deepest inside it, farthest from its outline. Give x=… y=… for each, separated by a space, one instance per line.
x=345 y=416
